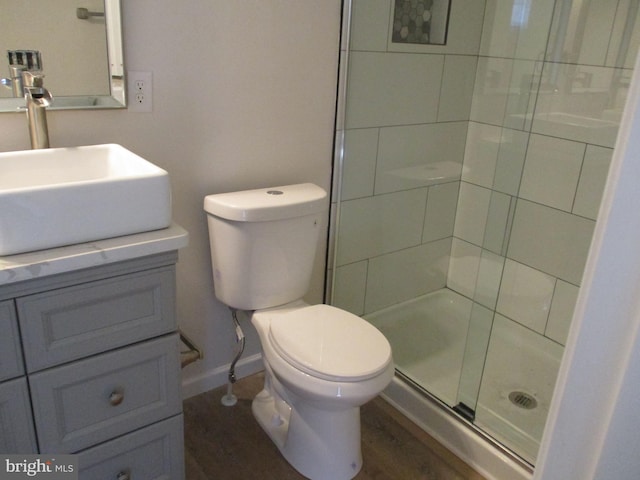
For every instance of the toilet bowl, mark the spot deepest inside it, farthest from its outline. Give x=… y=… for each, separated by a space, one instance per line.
x=321 y=363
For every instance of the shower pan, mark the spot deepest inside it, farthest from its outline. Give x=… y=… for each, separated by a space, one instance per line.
x=468 y=177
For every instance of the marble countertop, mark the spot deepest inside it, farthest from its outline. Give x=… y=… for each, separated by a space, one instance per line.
x=26 y=266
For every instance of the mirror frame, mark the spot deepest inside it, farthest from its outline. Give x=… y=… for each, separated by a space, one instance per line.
x=117 y=81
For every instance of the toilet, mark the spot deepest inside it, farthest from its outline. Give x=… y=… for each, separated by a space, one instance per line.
x=321 y=363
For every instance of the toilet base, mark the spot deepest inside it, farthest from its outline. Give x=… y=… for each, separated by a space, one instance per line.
x=320 y=444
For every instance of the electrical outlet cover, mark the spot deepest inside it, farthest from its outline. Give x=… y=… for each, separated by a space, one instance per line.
x=140 y=91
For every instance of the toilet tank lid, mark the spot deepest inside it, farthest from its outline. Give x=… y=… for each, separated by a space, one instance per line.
x=265 y=204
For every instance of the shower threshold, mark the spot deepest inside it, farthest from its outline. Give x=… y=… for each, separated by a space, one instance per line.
x=479 y=450
x=428 y=335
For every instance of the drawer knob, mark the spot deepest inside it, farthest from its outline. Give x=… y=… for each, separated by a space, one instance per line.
x=123 y=476
x=115 y=399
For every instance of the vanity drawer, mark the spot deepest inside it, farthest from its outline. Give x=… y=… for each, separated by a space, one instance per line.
x=16 y=425
x=10 y=351
x=98 y=398
x=152 y=453
x=73 y=322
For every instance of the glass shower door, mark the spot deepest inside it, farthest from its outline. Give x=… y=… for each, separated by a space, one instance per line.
x=470 y=184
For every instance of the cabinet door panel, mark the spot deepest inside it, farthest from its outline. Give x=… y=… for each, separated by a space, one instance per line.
x=70 y=323
x=10 y=351
x=92 y=400
x=152 y=453
x=16 y=424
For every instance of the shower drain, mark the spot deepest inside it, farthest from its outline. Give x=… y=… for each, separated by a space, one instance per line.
x=523 y=400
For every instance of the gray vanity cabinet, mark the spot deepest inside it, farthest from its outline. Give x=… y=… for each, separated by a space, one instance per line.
x=10 y=350
x=70 y=323
x=102 y=365
x=16 y=425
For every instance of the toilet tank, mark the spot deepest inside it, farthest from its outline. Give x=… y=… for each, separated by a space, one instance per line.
x=263 y=243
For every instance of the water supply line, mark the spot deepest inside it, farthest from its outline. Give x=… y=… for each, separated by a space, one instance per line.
x=192 y=354
x=230 y=399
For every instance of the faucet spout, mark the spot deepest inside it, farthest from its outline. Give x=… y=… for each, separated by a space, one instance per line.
x=38 y=99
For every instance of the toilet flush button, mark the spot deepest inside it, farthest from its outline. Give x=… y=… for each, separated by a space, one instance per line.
x=275 y=192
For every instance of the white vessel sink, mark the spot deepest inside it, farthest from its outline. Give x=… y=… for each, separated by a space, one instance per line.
x=62 y=196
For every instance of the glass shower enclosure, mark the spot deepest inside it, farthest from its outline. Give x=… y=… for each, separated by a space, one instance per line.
x=474 y=139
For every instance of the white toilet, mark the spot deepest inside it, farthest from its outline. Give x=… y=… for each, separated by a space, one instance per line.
x=321 y=363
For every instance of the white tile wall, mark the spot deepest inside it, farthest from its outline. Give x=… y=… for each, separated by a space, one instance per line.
x=525 y=295
x=511 y=155
x=490 y=91
x=561 y=314
x=405 y=130
x=574 y=125
x=465 y=29
x=597 y=25
x=617 y=56
x=537 y=129
x=408 y=121
x=442 y=201
x=382 y=224
x=522 y=93
x=359 y=164
x=472 y=212
x=577 y=102
x=464 y=266
x=516 y=31
x=498 y=218
x=550 y=240
x=488 y=280
x=481 y=154
x=502 y=91
x=405 y=88
x=407 y=274
x=592 y=181
x=551 y=171
x=438 y=147
x=601 y=32
x=370 y=19
x=457 y=87
x=350 y=286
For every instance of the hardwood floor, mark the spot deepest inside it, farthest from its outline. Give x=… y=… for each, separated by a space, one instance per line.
x=226 y=443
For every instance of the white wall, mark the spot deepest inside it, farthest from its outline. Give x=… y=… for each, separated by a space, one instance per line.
x=243 y=97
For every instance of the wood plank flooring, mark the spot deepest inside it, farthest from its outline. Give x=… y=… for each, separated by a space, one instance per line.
x=226 y=443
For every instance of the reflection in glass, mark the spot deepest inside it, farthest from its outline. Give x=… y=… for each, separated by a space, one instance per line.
x=81 y=58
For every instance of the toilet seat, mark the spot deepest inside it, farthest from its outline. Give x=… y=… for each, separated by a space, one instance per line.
x=329 y=343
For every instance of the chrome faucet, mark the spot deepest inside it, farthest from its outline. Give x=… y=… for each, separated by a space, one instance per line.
x=38 y=99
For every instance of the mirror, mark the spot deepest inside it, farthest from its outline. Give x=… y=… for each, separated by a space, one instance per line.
x=80 y=51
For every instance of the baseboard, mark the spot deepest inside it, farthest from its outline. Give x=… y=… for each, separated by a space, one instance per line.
x=219 y=376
